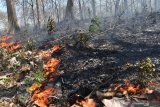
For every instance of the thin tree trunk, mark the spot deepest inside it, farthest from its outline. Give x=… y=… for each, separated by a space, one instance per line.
x=89 y=13
x=117 y=7
x=43 y=9
x=52 y=4
x=101 y=15
x=60 y=11
x=126 y=7
x=80 y=10
x=132 y=7
x=57 y=12
x=111 y=13
x=84 y=8
x=155 y=5
x=32 y=6
x=150 y=5
x=94 y=7
x=24 y=13
x=12 y=18
x=106 y=7
x=156 y=9
x=38 y=13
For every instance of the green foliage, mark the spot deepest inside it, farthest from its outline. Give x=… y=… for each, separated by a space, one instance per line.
x=38 y=75
x=21 y=98
x=51 y=25
x=94 y=27
x=78 y=40
x=83 y=38
x=95 y=21
x=146 y=70
x=39 y=70
x=28 y=81
x=31 y=44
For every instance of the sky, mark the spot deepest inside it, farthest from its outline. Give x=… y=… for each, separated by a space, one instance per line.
x=2 y=7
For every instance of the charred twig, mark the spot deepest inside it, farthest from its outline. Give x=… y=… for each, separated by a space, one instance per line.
x=141 y=97
x=108 y=80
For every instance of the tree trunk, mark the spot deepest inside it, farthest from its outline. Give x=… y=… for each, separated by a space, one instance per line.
x=52 y=5
x=106 y=7
x=89 y=13
x=38 y=13
x=150 y=5
x=32 y=6
x=110 y=9
x=126 y=8
x=155 y=5
x=101 y=15
x=69 y=10
x=117 y=8
x=44 y=12
x=12 y=18
x=94 y=8
x=69 y=15
x=80 y=9
x=24 y=12
x=84 y=8
x=132 y=7
x=57 y=11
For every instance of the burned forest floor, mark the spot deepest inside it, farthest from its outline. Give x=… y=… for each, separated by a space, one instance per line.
x=81 y=73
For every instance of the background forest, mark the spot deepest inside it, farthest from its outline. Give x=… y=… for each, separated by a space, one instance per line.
x=34 y=14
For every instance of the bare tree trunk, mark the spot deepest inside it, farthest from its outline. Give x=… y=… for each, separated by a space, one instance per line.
x=12 y=18
x=110 y=10
x=101 y=15
x=132 y=2
x=43 y=9
x=24 y=12
x=117 y=7
x=142 y=5
x=52 y=4
x=84 y=8
x=89 y=13
x=38 y=13
x=80 y=10
x=126 y=6
x=69 y=10
x=60 y=10
x=155 y=5
x=150 y=5
x=32 y=6
x=94 y=7
x=57 y=11
x=106 y=7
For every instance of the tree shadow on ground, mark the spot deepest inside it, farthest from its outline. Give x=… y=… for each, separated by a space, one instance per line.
x=131 y=53
x=136 y=51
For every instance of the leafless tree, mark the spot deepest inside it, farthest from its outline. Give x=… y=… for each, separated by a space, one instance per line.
x=69 y=10
x=117 y=7
x=12 y=18
x=80 y=9
x=93 y=3
x=38 y=13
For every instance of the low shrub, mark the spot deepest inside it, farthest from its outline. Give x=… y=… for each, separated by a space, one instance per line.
x=94 y=27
